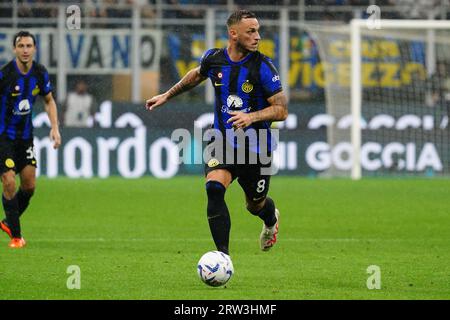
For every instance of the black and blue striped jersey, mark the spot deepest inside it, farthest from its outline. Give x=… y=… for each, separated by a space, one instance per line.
x=240 y=86
x=18 y=93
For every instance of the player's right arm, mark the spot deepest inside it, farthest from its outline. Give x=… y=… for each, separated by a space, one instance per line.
x=189 y=81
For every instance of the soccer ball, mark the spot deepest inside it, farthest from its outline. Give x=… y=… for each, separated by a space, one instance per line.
x=215 y=268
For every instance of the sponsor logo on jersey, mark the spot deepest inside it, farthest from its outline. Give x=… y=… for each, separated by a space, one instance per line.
x=10 y=163
x=217 y=84
x=247 y=87
x=276 y=78
x=213 y=163
x=234 y=102
x=24 y=105
x=24 y=108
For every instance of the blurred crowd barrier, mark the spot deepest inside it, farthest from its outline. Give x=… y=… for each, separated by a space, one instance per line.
x=123 y=139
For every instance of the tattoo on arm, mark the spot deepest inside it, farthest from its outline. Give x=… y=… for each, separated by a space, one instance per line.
x=277 y=111
x=189 y=81
x=280 y=106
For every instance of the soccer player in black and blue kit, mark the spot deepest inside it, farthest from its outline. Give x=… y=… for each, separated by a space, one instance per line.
x=21 y=81
x=249 y=96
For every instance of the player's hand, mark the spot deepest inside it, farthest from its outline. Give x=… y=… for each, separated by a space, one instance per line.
x=155 y=102
x=55 y=137
x=239 y=119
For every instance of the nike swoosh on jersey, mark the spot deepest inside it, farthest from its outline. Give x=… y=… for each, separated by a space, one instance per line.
x=218 y=84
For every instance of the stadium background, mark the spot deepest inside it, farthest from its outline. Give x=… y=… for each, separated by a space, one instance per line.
x=341 y=226
x=172 y=38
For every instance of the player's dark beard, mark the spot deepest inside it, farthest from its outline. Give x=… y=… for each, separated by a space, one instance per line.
x=242 y=49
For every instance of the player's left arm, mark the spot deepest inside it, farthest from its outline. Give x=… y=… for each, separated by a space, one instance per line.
x=50 y=108
x=276 y=111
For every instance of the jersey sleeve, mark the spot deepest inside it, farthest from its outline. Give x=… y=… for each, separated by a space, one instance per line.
x=46 y=84
x=270 y=79
x=204 y=62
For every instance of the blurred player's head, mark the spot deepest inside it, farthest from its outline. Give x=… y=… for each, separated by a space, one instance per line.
x=81 y=87
x=24 y=45
x=243 y=30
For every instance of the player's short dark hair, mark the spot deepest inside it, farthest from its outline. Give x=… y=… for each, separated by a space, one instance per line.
x=238 y=15
x=21 y=34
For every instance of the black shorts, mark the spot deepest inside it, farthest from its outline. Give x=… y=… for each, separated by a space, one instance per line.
x=16 y=154
x=254 y=178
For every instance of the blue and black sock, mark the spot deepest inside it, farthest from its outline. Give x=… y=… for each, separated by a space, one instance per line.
x=23 y=200
x=11 y=208
x=267 y=213
x=218 y=215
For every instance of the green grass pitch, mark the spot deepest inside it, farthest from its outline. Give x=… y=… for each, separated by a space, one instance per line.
x=141 y=239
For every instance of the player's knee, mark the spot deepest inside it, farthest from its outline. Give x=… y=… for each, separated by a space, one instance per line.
x=255 y=207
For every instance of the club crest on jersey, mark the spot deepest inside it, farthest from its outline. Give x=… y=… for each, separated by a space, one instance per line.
x=10 y=163
x=35 y=91
x=220 y=75
x=234 y=102
x=247 y=87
